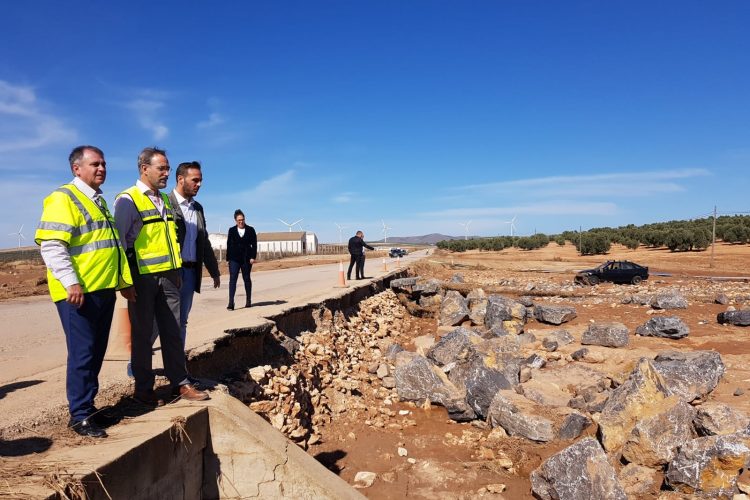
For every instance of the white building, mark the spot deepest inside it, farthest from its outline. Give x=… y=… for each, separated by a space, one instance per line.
x=283 y=242
x=296 y=242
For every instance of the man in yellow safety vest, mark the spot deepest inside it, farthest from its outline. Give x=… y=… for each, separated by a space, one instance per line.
x=85 y=265
x=145 y=219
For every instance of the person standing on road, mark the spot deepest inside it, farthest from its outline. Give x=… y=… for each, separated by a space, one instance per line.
x=85 y=265
x=242 y=249
x=356 y=250
x=145 y=219
x=195 y=248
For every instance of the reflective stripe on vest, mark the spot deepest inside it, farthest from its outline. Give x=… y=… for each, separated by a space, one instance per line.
x=91 y=237
x=156 y=247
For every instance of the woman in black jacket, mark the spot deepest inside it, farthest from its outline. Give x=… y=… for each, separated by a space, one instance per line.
x=242 y=248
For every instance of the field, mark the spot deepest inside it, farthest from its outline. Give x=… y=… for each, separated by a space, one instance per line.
x=446 y=459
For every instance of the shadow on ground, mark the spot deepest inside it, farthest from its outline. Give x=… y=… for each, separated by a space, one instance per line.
x=8 y=388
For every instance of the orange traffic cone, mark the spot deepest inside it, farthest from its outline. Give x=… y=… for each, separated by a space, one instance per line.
x=385 y=266
x=119 y=333
x=342 y=280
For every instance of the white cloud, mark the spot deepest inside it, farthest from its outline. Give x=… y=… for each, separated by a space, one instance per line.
x=214 y=119
x=25 y=124
x=146 y=110
x=550 y=208
x=346 y=197
x=612 y=184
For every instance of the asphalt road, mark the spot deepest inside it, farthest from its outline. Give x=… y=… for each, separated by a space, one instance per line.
x=32 y=343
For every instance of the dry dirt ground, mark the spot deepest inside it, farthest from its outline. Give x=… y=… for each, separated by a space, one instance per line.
x=466 y=460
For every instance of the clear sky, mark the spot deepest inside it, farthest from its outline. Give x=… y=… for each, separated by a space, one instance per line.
x=425 y=114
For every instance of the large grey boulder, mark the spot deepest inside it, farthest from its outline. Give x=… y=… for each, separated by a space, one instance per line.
x=519 y=417
x=405 y=284
x=709 y=466
x=656 y=437
x=428 y=287
x=611 y=334
x=626 y=405
x=690 y=375
x=668 y=327
x=669 y=299
x=505 y=313
x=419 y=380
x=454 y=309
x=736 y=318
x=458 y=344
x=482 y=376
x=554 y=315
x=713 y=419
x=579 y=471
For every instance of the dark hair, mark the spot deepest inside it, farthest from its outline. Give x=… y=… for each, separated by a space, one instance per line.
x=238 y=212
x=145 y=157
x=182 y=168
x=78 y=152
x=358 y=233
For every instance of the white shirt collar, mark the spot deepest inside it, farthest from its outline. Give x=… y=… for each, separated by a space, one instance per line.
x=143 y=187
x=86 y=189
x=181 y=200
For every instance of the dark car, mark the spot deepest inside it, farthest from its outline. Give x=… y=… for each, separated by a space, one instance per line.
x=397 y=252
x=616 y=271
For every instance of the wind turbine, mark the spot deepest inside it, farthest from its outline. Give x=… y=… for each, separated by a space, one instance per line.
x=466 y=229
x=512 y=225
x=385 y=231
x=20 y=235
x=290 y=225
x=300 y=225
x=341 y=228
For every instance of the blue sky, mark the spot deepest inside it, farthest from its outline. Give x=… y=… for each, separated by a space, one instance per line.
x=425 y=114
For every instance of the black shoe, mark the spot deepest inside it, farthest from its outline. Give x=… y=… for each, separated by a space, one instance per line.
x=348 y=278
x=230 y=307
x=149 y=399
x=248 y=304
x=87 y=428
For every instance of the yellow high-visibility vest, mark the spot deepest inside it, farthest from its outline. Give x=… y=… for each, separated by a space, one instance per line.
x=156 y=247
x=93 y=242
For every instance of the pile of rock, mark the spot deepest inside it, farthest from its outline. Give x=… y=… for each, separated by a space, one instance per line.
x=653 y=419
x=343 y=356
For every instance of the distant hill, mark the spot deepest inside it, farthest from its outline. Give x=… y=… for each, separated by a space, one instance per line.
x=427 y=239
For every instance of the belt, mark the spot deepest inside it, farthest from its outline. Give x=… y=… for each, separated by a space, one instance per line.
x=189 y=265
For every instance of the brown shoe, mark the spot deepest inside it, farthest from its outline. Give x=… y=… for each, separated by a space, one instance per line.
x=190 y=393
x=148 y=398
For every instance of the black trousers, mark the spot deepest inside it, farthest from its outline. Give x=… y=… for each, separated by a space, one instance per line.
x=234 y=271
x=359 y=261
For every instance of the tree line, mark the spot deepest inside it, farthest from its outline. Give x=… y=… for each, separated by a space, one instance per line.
x=678 y=236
